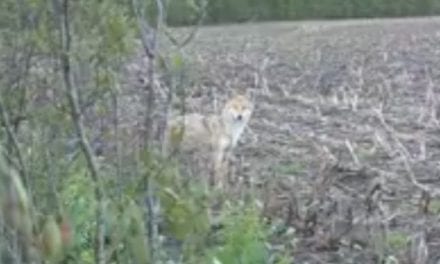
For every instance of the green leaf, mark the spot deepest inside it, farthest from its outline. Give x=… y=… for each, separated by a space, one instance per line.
x=177 y=61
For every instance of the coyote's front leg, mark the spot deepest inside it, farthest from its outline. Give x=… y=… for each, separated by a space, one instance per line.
x=220 y=168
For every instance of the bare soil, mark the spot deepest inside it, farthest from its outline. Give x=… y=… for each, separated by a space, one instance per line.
x=344 y=142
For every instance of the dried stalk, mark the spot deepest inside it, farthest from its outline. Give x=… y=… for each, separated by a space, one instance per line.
x=352 y=152
x=404 y=153
x=431 y=103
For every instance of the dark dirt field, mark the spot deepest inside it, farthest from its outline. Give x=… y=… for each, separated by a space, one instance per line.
x=344 y=142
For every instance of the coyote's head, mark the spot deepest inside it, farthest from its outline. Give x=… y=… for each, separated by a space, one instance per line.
x=237 y=111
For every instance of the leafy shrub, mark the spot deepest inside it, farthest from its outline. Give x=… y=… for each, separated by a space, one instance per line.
x=243 y=239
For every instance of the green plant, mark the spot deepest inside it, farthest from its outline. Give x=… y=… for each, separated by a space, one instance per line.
x=289 y=168
x=243 y=239
x=397 y=240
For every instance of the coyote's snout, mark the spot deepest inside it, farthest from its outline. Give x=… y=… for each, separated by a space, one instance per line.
x=216 y=134
x=235 y=116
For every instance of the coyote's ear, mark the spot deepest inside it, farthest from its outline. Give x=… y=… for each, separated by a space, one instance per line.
x=229 y=89
x=250 y=94
x=232 y=92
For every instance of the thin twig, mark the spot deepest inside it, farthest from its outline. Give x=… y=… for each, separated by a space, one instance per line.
x=14 y=141
x=115 y=103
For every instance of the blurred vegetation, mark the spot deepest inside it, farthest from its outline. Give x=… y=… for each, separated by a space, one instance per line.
x=227 y=11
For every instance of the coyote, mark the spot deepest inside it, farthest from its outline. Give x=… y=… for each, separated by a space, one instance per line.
x=215 y=135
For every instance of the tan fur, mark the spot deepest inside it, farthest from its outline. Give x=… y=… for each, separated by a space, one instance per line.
x=216 y=135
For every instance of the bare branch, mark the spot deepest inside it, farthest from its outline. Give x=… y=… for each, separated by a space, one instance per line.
x=192 y=34
x=148 y=33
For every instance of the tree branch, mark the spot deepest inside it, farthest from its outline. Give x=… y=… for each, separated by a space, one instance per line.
x=149 y=42
x=72 y=96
